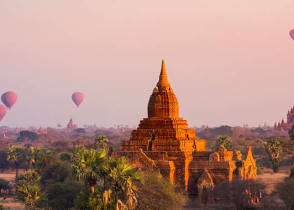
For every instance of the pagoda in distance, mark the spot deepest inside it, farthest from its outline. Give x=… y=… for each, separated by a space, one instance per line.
x=163 y=142
x=285 y=126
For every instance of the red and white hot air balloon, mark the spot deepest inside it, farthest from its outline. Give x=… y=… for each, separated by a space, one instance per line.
x=78 y=98
x=2 y=111
x=291 y=33
x=9 y=98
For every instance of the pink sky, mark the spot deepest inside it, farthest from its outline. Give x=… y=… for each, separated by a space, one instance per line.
x=229 y=62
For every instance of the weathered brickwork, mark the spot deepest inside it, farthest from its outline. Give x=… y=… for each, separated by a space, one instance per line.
x=164 y=142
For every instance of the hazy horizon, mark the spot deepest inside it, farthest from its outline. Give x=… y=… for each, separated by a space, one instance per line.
x=229 y=62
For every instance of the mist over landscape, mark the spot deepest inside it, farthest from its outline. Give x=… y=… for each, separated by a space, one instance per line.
x=146 y=105
x=228 y=62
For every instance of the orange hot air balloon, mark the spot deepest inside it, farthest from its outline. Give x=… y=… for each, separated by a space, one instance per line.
x=78 y=98
x=9 y=98
x=2 y=111
x=291 y=33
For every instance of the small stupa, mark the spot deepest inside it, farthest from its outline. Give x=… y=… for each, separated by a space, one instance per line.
x=71 y=124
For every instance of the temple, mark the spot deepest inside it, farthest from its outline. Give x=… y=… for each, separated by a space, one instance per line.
x=164 y=142
x=285 y=126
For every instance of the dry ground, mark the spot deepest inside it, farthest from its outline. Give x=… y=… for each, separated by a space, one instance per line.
x=269 y=179
x=10 y=203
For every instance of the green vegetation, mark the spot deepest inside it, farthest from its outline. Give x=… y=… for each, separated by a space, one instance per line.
x=273 y=148
x=61 y=196
x=88 y=165
x=4 y=163
x=88 y=179
x=28 y=189
x=244 y=194
x=156 y=192
x=286 y=190
x=27 y=135
x=16 y=156
x=101 y=142
x=225 y=141
x=65 y=156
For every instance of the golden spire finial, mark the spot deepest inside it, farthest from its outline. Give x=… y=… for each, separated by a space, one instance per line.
x=163 y=80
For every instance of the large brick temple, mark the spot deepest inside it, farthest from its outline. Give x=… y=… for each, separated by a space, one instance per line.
x=164 y=142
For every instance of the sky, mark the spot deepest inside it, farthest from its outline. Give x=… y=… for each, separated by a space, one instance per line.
x=229 y=62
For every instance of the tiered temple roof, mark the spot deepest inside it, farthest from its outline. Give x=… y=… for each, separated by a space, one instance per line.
x=164 y=142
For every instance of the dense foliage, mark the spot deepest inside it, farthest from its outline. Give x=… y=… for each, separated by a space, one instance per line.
x=273 y=148
x=88 y=179
x=225 y=141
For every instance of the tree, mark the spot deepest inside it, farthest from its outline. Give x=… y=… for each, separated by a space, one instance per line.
x=244 y=194
x=27 y=135
x=156 y=192
x=123 y=179
x=224 y=130
x=226 y=141
x=56 y=172
x=44 y=158
x=101 y=142
x=27 y=187
x=31 y=154
x=273 y=148
x=286 y=191
x=87 y=166
x=65 y=156
x=86 y=200
x=291 y=133
x=4 y=186
x=4 y=163
x=16 y=156
x=61 y=195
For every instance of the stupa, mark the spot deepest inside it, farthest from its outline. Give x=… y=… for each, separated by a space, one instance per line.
x=163 y=130
x=164 y=142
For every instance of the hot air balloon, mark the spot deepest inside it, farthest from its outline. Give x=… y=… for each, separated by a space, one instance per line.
x=9 y=98
x=2 y=111
x=291 y=33
x=78 y=98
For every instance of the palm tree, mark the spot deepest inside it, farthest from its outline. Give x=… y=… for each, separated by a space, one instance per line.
x=274 y=150
x=101 y=142
x=31 y=154
x=88 y=166
x=16 y=155
x=28 y=188
x=43 y=158
x=124 y=177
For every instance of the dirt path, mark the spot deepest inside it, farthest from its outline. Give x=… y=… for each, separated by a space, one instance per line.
x=10 y=203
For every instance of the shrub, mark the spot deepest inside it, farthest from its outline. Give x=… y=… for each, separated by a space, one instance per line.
x=156 y=192
x=65 y=156
x=27 y=135
x=286 y=192
x=61 y=195
x=57 y=172
x=225 y=141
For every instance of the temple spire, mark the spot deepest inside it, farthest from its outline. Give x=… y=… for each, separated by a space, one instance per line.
x=163 y=80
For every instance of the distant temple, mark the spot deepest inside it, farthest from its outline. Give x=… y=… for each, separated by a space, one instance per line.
x=164 y=142
x=285 y=126
x=42 y=130
x=71 y=124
